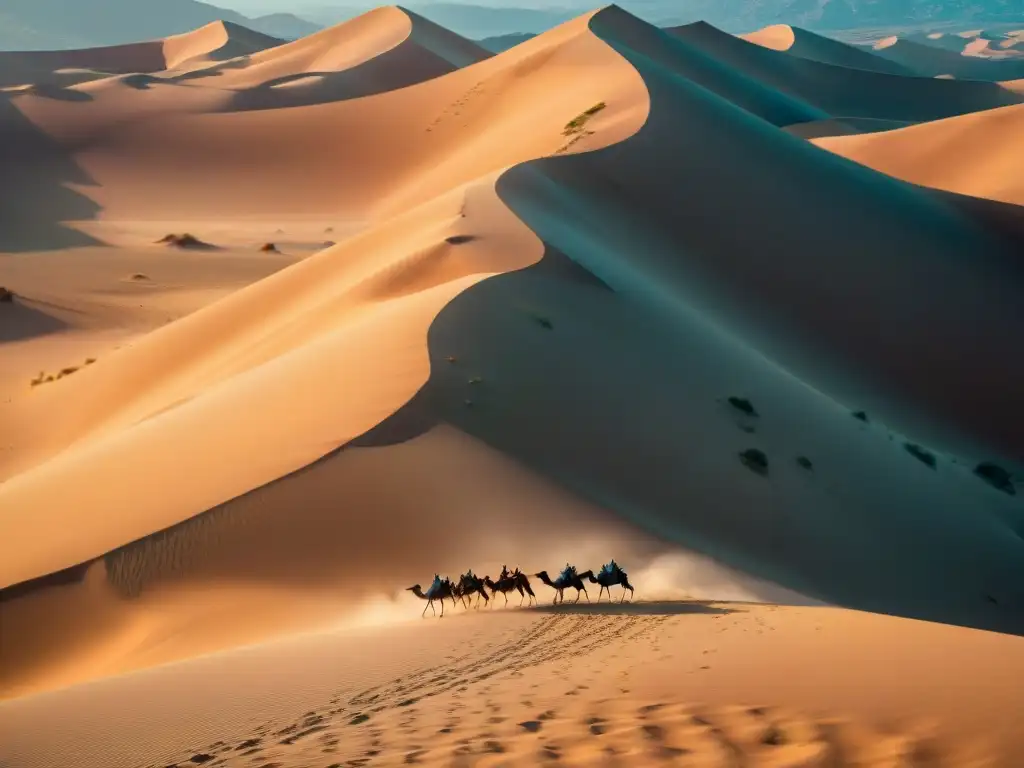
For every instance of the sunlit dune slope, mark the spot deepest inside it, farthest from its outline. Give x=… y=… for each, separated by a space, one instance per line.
x=843 y=91
x=211 y=348
x=981 y=154
x=576 y=252
x=381 y=50
x=808 y=45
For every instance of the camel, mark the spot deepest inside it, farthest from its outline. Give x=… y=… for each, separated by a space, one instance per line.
x=438 y=590
x=609 y=576
x=504 y=584
x=567 y=578
x=467 y=585
x=523 y=585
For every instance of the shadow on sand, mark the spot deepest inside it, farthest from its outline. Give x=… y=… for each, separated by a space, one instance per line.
x=639 y=608
x=35 y=199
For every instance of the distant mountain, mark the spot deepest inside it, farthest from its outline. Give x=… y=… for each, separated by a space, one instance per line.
x=42 y=24
x=504 y=42
x=470 y=20
x=494 y=18
x=743 y=15
x=283 y=25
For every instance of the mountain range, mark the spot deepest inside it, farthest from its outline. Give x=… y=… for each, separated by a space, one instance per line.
x=40 y=24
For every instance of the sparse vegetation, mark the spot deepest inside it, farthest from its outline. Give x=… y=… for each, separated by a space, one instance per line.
x=139 y=277
x=996 y=476
x=184 y=240
x=743 y=405
x=804 y=462
x=269 y=248
x=861 y=415
x=543 y=321
x=46 y=378
x=576 y=124
x=755 y=460
x=6 y=295
x=921 y=454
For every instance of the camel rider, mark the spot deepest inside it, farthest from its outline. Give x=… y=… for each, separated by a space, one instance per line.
x=504 y=573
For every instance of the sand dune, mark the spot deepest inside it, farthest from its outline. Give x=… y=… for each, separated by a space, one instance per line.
x=934 y=61
x=658 y=683
x=977 y=154
x=843 y=90
x=216 y=41
x=554 y=266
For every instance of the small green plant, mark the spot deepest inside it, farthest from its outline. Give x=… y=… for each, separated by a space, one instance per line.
x=754 y=460
x=804 y=462
x=576 y=124
x=743 y=405
x=543 y=322
x=861 y=415
x=921 y=454
x=996 y=476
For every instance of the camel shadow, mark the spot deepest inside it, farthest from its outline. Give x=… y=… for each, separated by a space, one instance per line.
x=639 y=608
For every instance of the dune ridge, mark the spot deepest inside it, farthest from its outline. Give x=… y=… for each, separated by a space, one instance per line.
x=526 y=258
x=980 y=154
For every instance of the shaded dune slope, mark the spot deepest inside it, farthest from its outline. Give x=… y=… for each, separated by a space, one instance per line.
x=808 y=45
x=611 y=292
x=843 y=91
x=978 y=154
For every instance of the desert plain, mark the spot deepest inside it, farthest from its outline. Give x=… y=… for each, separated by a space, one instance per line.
x=287 y=327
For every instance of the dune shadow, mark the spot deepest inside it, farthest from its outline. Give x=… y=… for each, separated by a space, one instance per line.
x=35 y=197
x=639 y=608
x=58 y=93
x=20 y=321
x=215 y=70
x=398 y=68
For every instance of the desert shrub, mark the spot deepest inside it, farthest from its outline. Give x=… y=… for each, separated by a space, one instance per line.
x=269 y=248
x=576 y=124
x=996 y=476
x=921 y=454
x=754 y=460
x=861 y=415
x=6 y=295
x=804 y=462
x=743 y=404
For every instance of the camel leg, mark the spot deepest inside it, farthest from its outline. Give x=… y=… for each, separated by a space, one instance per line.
x=424 y=614
x=601 y=592
x=505 y=595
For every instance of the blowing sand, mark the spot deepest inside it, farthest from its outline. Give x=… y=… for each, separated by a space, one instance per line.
x=597 y=295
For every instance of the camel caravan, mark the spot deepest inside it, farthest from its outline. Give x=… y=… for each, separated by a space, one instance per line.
x=469 y=584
